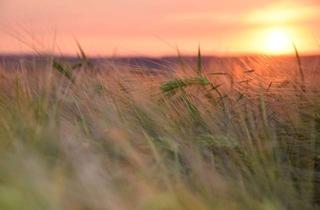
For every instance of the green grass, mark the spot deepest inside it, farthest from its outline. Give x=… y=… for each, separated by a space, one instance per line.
x=76 y=139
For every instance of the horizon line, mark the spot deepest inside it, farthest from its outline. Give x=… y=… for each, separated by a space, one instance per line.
x=187 y=55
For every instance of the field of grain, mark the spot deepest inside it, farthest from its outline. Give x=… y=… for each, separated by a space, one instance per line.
x=227 y=135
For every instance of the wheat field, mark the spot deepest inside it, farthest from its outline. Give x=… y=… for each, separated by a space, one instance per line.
x=225 y=136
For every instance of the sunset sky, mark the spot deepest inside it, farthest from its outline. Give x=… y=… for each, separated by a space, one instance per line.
x=158 y=27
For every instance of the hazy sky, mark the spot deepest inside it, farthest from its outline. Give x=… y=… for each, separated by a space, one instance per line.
x=156 y=27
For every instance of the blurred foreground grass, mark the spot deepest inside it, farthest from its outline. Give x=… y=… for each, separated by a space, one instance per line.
x=119 y=138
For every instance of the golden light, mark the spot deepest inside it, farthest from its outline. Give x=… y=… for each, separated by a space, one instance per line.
x=283 y=13
x=278 y=26
x=277 y=41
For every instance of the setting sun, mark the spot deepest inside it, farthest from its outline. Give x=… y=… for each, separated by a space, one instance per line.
x=153 y=28
x=278 y=41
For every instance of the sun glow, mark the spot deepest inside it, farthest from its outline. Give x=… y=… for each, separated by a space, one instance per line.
x=280 y=25
x=277 y=41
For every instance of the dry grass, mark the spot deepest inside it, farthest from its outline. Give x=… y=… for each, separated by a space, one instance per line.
x=237 y=137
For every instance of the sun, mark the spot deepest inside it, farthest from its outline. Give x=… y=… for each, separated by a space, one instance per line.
x=277 y=41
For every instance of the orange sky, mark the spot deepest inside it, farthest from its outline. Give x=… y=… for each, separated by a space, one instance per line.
x=156 y=27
